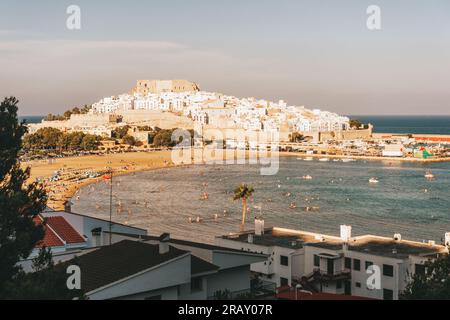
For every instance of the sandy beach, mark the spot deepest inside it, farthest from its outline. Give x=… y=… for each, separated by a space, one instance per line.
x=72 y=169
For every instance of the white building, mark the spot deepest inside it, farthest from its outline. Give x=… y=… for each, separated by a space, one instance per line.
x=337 y=265
x=159 y=268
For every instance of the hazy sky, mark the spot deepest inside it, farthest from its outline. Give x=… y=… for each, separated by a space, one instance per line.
x=317 y=53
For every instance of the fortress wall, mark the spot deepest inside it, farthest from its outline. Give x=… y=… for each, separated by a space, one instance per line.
x=163 y=120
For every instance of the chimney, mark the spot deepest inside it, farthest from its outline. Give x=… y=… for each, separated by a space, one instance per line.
x=259 y=227
x=164 y=243
x=68 y=206
x=447 y=240
x=346 y=233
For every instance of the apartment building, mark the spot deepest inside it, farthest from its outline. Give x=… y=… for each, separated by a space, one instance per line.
x=365 y=266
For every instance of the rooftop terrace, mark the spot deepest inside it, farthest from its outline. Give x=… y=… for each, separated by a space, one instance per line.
x=369 y=244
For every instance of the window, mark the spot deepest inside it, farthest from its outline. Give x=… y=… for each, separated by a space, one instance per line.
x=339 y=284
x=420 y=269
x=368 y=264
x=284 y=261
x=196 y=284
x=358 y=284
x=356 y=264
x=388 y=270
x=284 y=282
x=316 y=261
x=388 y=294
x=348 y=263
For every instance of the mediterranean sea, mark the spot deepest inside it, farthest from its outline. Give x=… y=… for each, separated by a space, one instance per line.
x=408 y=124
x=339 y=193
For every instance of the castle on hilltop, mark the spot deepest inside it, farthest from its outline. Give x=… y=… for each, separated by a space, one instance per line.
x=144 y=87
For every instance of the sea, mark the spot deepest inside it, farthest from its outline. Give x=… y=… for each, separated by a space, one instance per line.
x=31 y=119
x=408 y=124
x=403 y=201
x=171 y=200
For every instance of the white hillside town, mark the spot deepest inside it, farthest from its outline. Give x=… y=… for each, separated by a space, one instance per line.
x=166 y=103
x=215 y=108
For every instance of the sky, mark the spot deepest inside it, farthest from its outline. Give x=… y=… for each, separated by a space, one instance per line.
x=312 y=53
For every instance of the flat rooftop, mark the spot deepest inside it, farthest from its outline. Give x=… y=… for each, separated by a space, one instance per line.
x=382 y=246
x=369 y=244
x=275 y=237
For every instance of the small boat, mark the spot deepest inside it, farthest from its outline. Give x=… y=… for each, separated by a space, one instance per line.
x=429 y=175
x=348 y=160
x=373 y=180
x=309 y=159
x=336 y=160
x=324 y=159
x=292 y=206
x=307 y=177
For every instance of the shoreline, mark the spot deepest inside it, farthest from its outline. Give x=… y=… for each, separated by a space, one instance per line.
x=370 y=158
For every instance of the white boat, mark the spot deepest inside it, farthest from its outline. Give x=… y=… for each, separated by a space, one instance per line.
x=307 y=177
x=324 y=159
x=429 y=175
x=309 y=159
x=348 y=160
x=373 y=180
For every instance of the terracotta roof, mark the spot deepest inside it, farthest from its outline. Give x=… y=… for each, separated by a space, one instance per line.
x=50 y=238
x=64 y=230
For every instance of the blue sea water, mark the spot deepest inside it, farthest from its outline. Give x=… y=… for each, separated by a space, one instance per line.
x=163 y=200
x=408 y=124
x=31 y=119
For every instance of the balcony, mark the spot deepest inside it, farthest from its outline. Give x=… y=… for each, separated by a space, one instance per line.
x=322 y=275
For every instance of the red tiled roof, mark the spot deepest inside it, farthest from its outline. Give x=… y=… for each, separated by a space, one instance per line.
x=50 y=238
x=64 y=230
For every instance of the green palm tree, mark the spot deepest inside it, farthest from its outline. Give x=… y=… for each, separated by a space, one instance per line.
x=243 y=192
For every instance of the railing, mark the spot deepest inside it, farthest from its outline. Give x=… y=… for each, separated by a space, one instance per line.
x=323 y=275
x=260 y=291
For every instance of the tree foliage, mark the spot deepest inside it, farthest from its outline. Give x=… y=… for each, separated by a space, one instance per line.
x=20 y=203
x=432 y=284
x=54 y=139
x=355 y=123
x=67 y=114
x=296 y=137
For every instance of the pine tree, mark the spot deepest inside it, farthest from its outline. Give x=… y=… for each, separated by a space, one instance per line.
x=19 y=202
